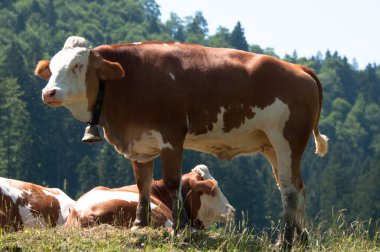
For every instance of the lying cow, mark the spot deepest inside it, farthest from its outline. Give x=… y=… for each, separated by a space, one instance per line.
x=204 y=202
x=26 y=204
x=157 y=99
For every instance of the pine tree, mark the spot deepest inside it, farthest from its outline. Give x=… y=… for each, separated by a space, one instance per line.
x=221 y=38
x=196 y=28
x=238 y=40
x=15 y=140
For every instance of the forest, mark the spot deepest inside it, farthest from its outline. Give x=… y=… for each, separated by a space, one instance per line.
x=43 y=145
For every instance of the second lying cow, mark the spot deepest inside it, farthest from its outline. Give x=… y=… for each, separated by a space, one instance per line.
x=26 y=204
x=204 y=202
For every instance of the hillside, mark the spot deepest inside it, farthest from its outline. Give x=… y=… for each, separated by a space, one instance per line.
x=43 y=145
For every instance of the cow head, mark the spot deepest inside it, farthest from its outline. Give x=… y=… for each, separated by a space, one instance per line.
x=208 y=203
x=73 y=75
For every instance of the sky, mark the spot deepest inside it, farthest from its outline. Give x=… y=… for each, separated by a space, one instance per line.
x=350 y=27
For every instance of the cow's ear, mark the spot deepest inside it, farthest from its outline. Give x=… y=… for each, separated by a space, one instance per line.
x=110 y=70
x=207 y=186
x=43 y=70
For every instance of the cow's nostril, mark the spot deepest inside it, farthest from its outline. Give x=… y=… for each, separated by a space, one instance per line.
x=50 y=93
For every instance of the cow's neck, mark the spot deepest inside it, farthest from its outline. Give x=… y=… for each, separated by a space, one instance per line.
x=159 y=191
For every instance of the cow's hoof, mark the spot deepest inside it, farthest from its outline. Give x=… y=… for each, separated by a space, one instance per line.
x=135 y=228
x=137 y=225
x=282 y=244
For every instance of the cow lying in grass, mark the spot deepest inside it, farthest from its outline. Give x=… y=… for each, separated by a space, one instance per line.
x=26 y=204
x=203 y=200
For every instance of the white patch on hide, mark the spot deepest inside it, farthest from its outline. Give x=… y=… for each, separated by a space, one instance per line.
x=9 y=190
x=65 y=203
x=28 y=191
x=248 y=138
x=28 y=219
x=97 y=196
x=147 y=147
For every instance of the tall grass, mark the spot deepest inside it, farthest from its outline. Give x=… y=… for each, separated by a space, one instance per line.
x=333 y=234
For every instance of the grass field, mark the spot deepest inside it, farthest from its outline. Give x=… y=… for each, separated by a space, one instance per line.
x=335 y=236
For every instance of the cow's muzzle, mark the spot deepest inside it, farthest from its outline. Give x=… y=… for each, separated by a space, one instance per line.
x=49 y=97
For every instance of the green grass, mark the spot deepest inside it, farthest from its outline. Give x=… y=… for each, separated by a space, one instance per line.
x=336 y=236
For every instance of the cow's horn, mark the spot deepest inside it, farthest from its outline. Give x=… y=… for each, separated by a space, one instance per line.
x=91 y=135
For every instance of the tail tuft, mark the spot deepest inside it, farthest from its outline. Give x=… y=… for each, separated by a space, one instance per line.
x=321 y=144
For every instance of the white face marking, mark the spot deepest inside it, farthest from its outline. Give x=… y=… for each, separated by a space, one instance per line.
x=75 y=41
x=203 y=170
x=95 y=197
x=65 y=203
x=68 y=79
x=166 y=44
x=137 y=43
x=172 y=76
x=177 y=43
x=147 y=147
x=213 y=208
x=243 y=140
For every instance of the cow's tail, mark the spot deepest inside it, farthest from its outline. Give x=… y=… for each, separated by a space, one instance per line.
x=321 y=141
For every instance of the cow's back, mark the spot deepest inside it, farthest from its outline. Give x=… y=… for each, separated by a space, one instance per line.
x=220 y=97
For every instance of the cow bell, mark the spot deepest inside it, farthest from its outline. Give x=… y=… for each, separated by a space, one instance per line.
x=91 y=135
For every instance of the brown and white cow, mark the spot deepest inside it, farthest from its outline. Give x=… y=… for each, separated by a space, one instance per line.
x=26 y=204
x=204 y=202
x=163 y=97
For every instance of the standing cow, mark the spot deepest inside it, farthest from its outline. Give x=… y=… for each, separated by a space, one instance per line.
x=26 y=204
x=160 y=98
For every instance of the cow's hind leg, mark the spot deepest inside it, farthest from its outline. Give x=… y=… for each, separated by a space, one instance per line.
x=287 y=174
x=143 y=176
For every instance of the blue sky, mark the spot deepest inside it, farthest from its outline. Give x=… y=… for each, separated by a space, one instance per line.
x=350 y=27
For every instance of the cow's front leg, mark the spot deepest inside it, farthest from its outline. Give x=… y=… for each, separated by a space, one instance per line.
x=172 y=176
x=143 y=175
